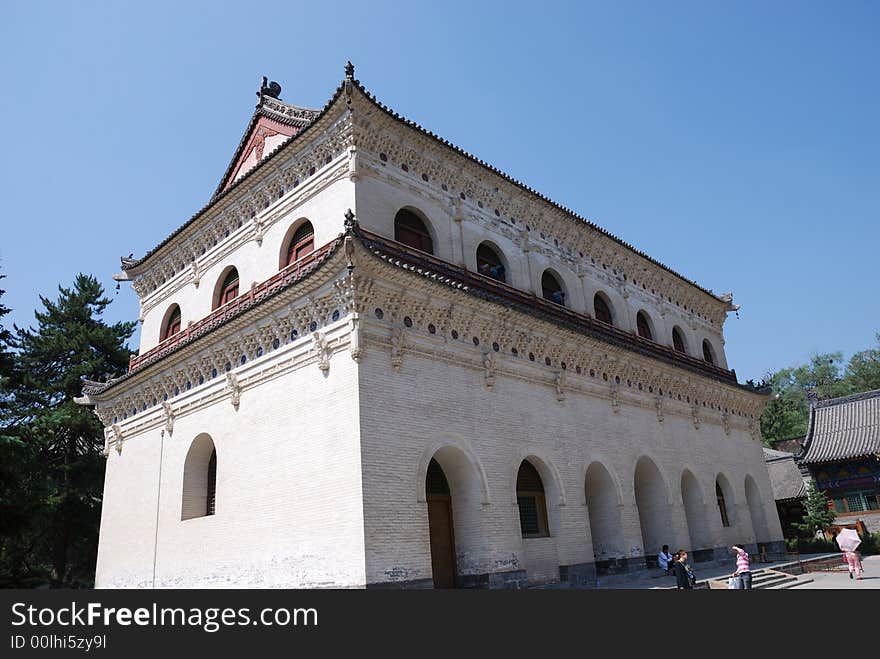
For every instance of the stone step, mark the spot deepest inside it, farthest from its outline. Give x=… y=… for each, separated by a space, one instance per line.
x=775 y=582
x=800 y=581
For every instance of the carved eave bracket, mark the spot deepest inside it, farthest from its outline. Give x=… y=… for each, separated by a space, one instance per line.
x=234 y=388
x=398 y=341
x=560 y=386
x=117 y=438
x=321 y=350
x=355 y=342
x=489 y=370
x=615 y=397
x=169 y=417
x=658 y=405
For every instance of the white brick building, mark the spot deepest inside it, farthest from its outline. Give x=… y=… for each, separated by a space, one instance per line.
x=458 y=383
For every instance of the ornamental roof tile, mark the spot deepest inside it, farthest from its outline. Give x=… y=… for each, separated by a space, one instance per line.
x=843 y=428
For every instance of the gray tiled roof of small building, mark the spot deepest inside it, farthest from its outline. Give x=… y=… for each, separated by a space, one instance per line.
x=843 y=428
x=785 y=477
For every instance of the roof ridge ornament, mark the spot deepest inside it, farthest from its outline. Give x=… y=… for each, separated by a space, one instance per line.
x=349 y=70
x=271 y=89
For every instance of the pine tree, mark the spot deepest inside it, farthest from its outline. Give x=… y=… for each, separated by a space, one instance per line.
x=16 y=496
x=65 y=440
x=817 y=514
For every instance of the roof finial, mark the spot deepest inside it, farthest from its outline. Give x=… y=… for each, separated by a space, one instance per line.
x=349 y=70
x=350 y=222
x=271 y=89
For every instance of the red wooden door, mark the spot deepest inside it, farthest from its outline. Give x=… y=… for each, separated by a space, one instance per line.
x=442 y=541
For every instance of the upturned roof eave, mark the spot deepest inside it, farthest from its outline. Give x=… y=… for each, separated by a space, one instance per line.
x=97 y=392
x=136 y=267
x=220 y=194
x=534 y=193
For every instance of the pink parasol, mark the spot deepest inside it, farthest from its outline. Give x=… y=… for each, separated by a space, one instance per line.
x=848 y=540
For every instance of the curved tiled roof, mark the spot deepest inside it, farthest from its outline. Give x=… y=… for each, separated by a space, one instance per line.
x=785 y=477
x=446 y=143
x=843 y=428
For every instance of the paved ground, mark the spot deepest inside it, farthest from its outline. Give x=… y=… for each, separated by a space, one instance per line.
x=821 y=580
x=834 y=580
x=659 y=580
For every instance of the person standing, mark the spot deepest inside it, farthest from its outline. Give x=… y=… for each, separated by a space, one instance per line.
x=743 y=570
x=682 y=575
x=664 y=559
x=854 y=562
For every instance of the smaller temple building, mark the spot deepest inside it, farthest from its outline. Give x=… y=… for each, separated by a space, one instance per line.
x=789 y=489
x=841 y=453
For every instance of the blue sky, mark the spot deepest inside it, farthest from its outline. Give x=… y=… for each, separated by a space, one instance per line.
x=736 y=142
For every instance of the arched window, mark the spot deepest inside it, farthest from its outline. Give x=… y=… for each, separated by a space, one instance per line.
x=228 y=289
x=551 y=288
x=410 y=230
x=643 y=325
x=722 y=507
x=678 y=340
x=199 y=494
x=172 y=324
x=531 y=502
x=301 y=244
x=489 y=262
x=602 y=309
x=435 y=480
x=211 y=493
x=708 y=353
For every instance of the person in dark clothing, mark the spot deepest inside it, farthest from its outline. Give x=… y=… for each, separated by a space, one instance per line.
x=682 y=575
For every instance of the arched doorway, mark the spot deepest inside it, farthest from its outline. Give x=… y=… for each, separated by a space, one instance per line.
x=652 y=502
x=603 y=507
x=725 y=502
x=695 y=512
x=756 y=511
x=441 y=527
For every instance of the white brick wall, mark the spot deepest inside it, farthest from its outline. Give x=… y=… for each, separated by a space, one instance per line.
x=430 y=403
x=289 y=510
x=379 y=197
x=255 y=262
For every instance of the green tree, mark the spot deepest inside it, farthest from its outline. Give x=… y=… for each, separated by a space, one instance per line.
x=788 y=412
x=863 y=370
x=817 y=515
x=63 y=440
x=16 y=496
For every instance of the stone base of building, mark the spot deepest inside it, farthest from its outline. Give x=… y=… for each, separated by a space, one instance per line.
x=578 y=575
x=511 y=579
x=601 y=574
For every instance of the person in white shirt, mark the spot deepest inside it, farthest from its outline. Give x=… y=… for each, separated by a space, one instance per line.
x=664 y=559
